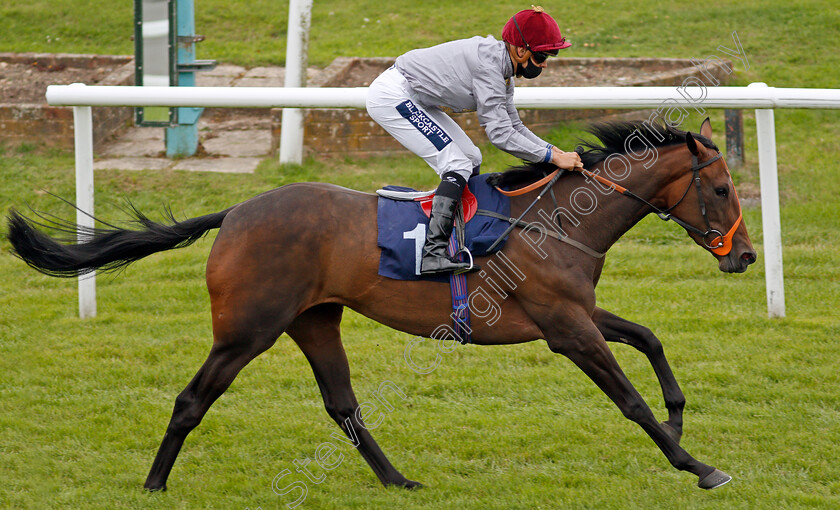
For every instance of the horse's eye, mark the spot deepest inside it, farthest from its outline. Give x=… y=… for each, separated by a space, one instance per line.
x=722 y=191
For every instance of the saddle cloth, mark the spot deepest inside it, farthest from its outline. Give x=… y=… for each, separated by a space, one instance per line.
x=402 y=230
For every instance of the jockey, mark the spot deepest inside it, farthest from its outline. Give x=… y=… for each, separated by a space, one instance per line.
x=412 y=98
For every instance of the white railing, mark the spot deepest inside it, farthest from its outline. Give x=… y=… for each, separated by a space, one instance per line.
x=674 y=99
x=755 y=96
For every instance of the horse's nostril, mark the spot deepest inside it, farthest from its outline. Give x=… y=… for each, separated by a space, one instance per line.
x=748 y=257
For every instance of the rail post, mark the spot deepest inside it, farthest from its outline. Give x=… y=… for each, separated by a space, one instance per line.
x=83 y=134
x=297 y=49
x=770 y=209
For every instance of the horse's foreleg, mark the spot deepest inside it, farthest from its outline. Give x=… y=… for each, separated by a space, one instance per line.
x=211 y=380
x=616 y=329
x=317 y=333
x=586 y=347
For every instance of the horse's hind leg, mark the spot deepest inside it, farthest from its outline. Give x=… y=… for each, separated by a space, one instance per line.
x=616 y=329
x=212 y=379
x=317 y=333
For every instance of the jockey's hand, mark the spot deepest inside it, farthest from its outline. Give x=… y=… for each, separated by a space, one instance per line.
x=567 y=160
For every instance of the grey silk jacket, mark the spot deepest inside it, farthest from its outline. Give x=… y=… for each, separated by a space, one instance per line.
x=473 y=74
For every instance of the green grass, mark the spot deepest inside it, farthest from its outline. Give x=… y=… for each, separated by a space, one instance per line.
x=778 y=36
x=84 y=404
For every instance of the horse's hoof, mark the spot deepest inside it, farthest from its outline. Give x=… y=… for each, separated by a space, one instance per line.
x=153 y=488
x=714 y=480
x=406 y=484
x=672 y=432
x=412 y=485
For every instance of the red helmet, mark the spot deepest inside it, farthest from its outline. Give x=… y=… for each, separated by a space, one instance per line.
x=534 y=30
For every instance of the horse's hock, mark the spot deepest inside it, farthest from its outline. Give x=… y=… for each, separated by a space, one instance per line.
x=352 y=132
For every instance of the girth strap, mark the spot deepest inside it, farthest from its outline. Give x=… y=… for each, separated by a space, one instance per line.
x=460 y=298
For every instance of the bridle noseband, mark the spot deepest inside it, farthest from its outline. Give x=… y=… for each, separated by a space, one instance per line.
x=713 y=239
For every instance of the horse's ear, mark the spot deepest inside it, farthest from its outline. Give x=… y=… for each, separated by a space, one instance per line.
x=706 y=128
x=691 y=143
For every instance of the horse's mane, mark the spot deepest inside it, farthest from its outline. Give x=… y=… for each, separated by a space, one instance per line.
x=611 y=136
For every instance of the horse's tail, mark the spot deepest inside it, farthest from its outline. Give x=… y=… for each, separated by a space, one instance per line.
x=105 y=249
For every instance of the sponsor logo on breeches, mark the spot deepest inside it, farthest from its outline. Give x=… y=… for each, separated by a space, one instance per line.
x=424 y=124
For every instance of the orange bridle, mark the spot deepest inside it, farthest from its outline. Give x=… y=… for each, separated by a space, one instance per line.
x=720 y=244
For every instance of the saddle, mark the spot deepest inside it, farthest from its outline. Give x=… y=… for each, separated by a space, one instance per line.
x=401 y=213
x=469 y=204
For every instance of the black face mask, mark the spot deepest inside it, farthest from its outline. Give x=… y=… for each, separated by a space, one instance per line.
x=529 y=71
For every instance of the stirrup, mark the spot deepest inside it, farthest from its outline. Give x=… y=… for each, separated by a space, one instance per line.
x=472 y=267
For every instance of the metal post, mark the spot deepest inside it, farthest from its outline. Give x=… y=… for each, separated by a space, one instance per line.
x=83 y=133
x=770 y=214
x=182 y=140
x=297 y=49
x=734 y=138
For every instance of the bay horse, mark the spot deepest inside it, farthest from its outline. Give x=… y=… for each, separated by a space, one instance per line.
x=289 y=260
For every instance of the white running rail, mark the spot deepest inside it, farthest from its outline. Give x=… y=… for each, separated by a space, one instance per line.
x=757 y=96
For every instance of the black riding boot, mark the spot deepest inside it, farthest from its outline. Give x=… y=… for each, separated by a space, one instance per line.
x=435 y=260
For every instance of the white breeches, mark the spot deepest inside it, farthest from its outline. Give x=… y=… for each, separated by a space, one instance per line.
x=429 y=133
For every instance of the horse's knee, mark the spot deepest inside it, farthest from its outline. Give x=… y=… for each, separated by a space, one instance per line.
x=185 y=416
x=339 y=412
x=652 y=344
x=635 y=410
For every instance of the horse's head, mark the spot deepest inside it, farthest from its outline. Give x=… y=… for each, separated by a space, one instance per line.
x=709 y=208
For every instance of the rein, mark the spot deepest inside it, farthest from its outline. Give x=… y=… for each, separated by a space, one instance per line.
x=539 y=228
x=550 y=179
x=529 y=188
x=720 y=244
